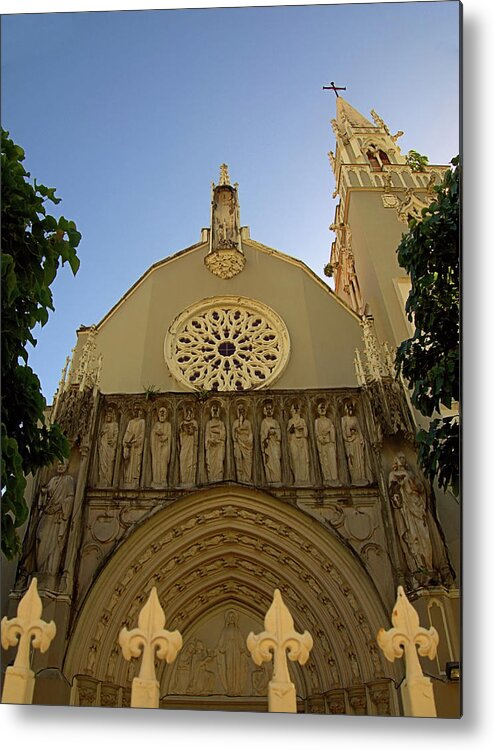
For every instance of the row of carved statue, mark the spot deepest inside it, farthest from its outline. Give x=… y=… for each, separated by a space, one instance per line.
x=188 y=439
x=407 y=493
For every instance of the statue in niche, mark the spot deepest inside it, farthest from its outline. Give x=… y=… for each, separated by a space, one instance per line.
x=203 y=677
x=56 y=502
x=271 y=445
x=188 y=438
x=326 y=443
x=243 y=442
x=232 y=655
x=107 y=448
x=133 y=444
x=298 y=445
x=409 y=500
x=215 y=439
x=354 y=446
x=160 y=441
x=225 y=229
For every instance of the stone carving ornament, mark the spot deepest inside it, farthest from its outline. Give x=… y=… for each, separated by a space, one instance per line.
x=161 y=434
x=107 y=448
x=326 y=443
x=188 y=438
x=243 y=443
x=133 y=444
x=298 y=445
x=215 y=439
x=227 y=344
x=271 y=445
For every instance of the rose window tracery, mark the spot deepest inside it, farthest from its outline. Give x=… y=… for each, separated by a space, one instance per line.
x=227 y=344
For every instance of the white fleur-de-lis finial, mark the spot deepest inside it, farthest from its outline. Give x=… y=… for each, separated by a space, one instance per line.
x=26 y=630
x=402 y=640
x=273 y=643
x=149 y=639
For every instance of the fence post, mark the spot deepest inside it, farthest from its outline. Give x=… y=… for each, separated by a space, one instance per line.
x=273 y=643
x=149 y=639
x=25 y=630
x=401 y=640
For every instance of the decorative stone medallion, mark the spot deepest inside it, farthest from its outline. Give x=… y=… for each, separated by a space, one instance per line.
x=227 y=344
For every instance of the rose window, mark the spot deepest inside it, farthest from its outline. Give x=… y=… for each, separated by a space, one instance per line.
x=227 y=344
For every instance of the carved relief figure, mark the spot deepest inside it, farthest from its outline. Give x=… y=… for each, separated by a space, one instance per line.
x=133 y=444
x=160 y=440
x=182 y=673
x=298 y=445
x=202 y=676
x=354 y=446
x=215 y=439
x=409 y=500
x=260 y=680
x=326 y=443
x=271 y=445
x=243 y=441
x=188 y=438
x=56 y=501
x=107 y=448
x=232 y=655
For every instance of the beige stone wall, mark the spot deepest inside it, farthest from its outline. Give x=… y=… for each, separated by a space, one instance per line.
x=376 y=235
x=323 y=333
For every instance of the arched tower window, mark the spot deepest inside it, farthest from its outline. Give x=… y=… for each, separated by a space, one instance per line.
x=373 y=161
x=384 y=157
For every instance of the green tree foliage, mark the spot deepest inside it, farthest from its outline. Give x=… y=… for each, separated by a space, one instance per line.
x=33 y=246
x=429 y=360
x=416 y=161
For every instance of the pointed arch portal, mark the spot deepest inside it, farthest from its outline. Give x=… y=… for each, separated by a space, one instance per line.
x=223 y=550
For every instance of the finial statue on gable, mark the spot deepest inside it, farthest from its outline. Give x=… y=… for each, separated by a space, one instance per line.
x=225 y=257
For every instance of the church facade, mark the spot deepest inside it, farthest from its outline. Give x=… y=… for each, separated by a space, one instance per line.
x=236 y=428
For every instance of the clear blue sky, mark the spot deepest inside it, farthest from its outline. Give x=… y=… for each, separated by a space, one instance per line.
x=130 y=114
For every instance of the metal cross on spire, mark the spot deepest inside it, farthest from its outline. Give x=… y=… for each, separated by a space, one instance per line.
x=335 y=88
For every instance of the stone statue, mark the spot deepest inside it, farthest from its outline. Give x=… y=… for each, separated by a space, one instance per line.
x=354 y=446
x=298 y=445
x=232 y=656
x=225 y=229
x=107 y=449
x=409 y=501
x=188 y=438
x=243 y=442
x=271 y=445
x=133 y=444
x=160 y=441
x=215 y=439
x=56 y=501
x=326 y=444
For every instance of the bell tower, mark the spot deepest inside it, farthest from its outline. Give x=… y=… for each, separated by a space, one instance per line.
x=378 y=188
